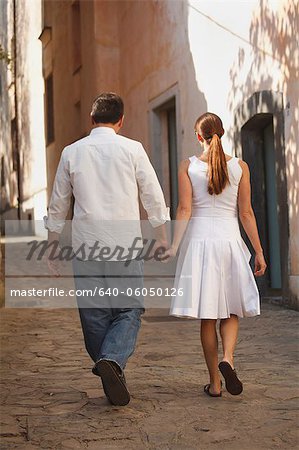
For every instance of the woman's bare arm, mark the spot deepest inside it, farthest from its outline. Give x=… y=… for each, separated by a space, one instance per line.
x=248 y=220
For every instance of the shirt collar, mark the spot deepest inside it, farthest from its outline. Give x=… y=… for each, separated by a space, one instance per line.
x=102 y=130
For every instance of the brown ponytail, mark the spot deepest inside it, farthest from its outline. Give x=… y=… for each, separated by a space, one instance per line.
x=210 y=128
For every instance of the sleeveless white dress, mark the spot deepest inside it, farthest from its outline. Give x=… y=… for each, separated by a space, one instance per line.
x=213 y=276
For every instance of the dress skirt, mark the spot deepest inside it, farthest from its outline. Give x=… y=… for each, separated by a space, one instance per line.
x=213 y=276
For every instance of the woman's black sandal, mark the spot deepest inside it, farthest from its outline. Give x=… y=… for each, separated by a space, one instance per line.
x=207 y=391
x=232 y=383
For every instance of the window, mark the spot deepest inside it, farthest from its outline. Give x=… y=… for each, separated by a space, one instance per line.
x=49 y=110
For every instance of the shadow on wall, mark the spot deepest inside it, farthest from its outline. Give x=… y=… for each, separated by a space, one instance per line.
x=196 y=103
x=278 y=32
x=159 y=59
x=193 y=101
x=274 y=67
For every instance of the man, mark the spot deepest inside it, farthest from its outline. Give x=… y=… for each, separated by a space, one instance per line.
x=105 y=172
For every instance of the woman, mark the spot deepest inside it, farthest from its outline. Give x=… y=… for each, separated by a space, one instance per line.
x=213 y=277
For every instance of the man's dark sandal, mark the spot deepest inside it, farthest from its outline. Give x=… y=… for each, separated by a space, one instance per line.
x=114 y=384
x=95 y=372
x=232 y=383
x=207 y=391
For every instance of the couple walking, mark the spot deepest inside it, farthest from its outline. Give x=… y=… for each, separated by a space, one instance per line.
x=107 y=173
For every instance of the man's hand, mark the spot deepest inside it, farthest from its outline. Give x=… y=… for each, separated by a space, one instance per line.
x=161 y=244
x=54 y=266
x=53 y=262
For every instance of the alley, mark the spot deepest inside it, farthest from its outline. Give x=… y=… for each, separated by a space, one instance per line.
x=51 y=400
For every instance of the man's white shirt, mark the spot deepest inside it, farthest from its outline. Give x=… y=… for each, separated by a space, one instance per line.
x=105 y=172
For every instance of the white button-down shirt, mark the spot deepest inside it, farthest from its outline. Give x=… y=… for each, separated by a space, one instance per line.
x=105 y=172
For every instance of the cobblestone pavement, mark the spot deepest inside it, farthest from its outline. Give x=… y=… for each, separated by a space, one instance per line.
x=51 y=400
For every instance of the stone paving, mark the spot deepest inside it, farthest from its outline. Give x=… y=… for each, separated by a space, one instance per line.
x=51 y=400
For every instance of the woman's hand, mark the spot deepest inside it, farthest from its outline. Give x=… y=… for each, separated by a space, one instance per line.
x=168 y=255
x=158 y=249
x=259 y=264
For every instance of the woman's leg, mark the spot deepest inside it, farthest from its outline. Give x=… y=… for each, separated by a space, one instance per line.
x=229 y=334
x=209 y=342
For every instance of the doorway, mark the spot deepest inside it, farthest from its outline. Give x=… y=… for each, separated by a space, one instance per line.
x=165 y=146
x=258 y=150
x=259 y=140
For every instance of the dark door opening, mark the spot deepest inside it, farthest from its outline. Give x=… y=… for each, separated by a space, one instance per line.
x=272 y=205
x=165 y=157
x=258 y=150
x=172 y=159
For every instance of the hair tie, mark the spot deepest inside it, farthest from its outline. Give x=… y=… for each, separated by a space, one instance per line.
x=211 y=137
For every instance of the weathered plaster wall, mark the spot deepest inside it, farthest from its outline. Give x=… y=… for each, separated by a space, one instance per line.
x=30 y=86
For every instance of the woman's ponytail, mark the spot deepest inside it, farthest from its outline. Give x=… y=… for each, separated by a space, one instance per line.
x=211 y=130
x=217 y=167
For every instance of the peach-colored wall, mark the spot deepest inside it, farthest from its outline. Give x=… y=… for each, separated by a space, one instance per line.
x=71 y=119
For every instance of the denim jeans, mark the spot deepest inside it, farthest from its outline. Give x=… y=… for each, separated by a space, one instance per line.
x=110 y=307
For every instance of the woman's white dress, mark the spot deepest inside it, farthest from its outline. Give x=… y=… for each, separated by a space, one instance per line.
x=213 y=276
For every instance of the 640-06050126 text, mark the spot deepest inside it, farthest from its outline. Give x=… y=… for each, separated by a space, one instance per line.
x=136 y=292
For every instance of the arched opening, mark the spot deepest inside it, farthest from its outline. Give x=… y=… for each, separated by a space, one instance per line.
x=259 y=140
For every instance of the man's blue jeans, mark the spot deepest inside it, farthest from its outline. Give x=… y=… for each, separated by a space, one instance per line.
x=110 y=307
